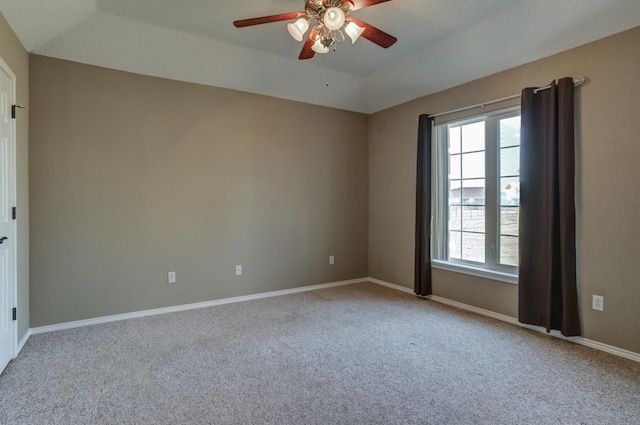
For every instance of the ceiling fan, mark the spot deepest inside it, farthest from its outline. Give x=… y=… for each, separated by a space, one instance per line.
x=329 y=22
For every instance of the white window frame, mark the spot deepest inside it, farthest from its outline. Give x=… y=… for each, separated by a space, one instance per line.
x=491 y=268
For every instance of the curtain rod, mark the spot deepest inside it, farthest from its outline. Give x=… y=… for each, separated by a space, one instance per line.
x=577 y=82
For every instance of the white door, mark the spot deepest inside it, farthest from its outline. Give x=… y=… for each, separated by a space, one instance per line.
x=7 y=232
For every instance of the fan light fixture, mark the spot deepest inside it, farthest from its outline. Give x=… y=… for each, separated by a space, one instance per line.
x=333 y=18
x=326 y=22
x=318 y=47
x=330 y=23
x=298 y=28
x=353 y=31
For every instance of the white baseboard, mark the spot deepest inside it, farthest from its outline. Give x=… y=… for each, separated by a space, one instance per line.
x=575 y=339
x=478 y=310
x=183 y=307
x=22 y=342
x=105 y=319
x=391 y=285
x=602 y=347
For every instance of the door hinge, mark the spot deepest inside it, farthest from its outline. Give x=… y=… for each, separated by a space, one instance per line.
x=13 y=109
x=13 y=213
x=15 y=313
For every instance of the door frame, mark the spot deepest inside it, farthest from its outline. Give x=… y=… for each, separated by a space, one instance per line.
x=13 y=188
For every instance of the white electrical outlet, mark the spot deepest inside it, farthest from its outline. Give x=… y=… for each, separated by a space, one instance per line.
x=238 y=269
x=598 y=302
x=171 y=277
x=331 y=259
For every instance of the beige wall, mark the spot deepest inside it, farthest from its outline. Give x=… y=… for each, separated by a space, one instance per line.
x=12 y=52
x=135 y=176
x=607 y=199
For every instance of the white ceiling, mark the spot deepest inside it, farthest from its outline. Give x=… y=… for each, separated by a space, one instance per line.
x=441 y=43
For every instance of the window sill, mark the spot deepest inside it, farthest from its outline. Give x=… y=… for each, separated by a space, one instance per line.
x=475 y=271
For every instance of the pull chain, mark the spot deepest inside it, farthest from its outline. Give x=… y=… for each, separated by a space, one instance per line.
x=326 y=66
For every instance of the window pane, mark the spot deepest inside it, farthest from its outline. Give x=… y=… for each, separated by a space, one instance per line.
x=455 y=217
x=473 y=165
x=473 y=247
x=473 y=219
x=509 y=191
x=510 y=132
x=473 y=137
x=454 y=140
x=454 y=245
x=454 y=167
x=510 y=161
x=465 y=186
x=473 y=192
x=454 y=192
x=509 y=250
x=509 y=220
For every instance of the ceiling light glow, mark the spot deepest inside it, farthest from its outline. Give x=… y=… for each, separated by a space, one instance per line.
x=334 y=18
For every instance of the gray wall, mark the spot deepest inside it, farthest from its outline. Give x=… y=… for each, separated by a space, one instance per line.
x=607 y=199
x=16 y=57
x=135 y=176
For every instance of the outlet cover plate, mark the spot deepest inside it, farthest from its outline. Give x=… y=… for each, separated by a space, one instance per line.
x=238 y=269
x=598 y=303
x=171 y=277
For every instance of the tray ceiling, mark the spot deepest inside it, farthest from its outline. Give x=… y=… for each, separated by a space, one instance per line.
x=441 y=43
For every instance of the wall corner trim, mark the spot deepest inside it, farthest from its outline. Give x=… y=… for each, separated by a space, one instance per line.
x=502 y=317
x=183 y=307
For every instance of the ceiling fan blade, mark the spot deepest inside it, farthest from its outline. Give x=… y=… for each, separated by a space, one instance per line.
x=361 y=4
x=307 y=52
x=374 y=34
x=267 y=19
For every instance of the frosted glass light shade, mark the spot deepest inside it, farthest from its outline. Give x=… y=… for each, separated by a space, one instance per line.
x=318 y=47
x=353 y=31
x=298 y=28
x=333 y=18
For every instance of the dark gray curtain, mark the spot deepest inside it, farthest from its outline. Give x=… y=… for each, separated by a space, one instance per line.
x=422 y=276
x=547 y=284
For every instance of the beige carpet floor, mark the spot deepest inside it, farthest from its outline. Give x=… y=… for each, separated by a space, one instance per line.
x=357 y=354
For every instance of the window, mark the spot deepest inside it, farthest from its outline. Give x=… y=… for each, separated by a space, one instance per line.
x=477 y=195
